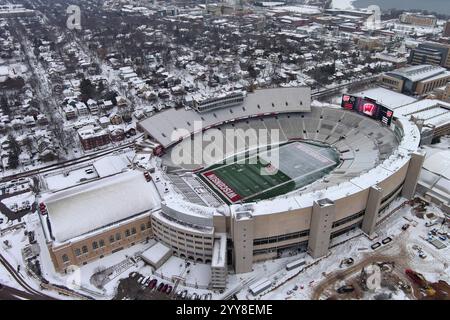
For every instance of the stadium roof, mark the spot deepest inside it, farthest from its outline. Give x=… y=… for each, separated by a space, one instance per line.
x=162 y=125
x=418 y=73
x=87 y=207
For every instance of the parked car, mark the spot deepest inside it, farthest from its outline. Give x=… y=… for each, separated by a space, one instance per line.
x=147 y=282
x=405 y=226
x=42 y=208
x=422 y=255
x=169 y=289
x=164 y=288
x=375 y=245
x=184 y=294
x=152 y=283
x=161 y=285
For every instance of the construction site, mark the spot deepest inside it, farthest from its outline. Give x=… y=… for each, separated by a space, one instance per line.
x=411 y=265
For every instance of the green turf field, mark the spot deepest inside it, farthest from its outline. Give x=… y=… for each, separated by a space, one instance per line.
x=242 y=180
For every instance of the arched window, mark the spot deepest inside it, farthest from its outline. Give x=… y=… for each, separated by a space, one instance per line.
x=65 y=258
x=84 y=249
x=118 y=236
x=127 y=233
x=133 y=230
x=142 y=227
x=94 y=245
x=101 y=243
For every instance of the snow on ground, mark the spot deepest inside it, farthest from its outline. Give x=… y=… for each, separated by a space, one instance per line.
x=14 y=256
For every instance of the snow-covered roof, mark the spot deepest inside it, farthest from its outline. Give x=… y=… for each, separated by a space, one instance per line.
x=110 y=165
x=418 y=73
x=156 y=254
x=435 y=175
x=386 y=97
x=433 y=112
x=439 y=163
x=219 y=251
x=85 y=208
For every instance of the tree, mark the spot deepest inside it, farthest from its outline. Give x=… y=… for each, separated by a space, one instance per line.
x=13 y=158
x=5 y=106
x=87 y=88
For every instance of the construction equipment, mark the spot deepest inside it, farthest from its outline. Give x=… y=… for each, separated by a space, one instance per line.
x=420 y=280
x=347 y=262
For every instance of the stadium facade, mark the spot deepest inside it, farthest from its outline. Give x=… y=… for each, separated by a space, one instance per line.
x=377 y=164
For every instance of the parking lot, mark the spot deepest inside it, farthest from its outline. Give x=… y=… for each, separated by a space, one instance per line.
x=139 y=287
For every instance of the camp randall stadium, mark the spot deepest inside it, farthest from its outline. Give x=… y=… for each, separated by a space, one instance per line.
x=244 y=177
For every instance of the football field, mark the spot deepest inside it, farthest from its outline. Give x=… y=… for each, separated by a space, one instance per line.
x=256 y=176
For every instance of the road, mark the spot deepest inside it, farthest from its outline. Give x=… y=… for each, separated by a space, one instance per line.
x=336 y=89
x=28 y=290
x=8 y=293
x=68 y=163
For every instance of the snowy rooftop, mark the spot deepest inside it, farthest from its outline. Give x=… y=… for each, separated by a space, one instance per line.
x=188 y=212
x=110 y=165
x=433 y=112
x=299 y=9
x=439 y=163
x=156 y=254
x=388 y=98
x=420 y=72
x=85 y=208
x=219 y=251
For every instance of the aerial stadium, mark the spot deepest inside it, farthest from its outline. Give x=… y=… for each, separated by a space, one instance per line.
x=284 y=176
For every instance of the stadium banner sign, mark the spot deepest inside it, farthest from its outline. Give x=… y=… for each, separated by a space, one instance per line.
x=367 y=107
x=222 y=186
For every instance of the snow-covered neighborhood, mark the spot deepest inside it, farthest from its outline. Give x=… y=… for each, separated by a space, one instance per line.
x=223 y=150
